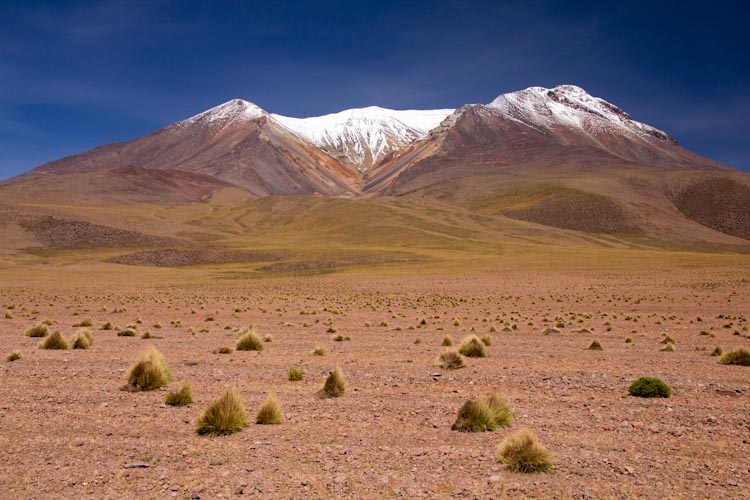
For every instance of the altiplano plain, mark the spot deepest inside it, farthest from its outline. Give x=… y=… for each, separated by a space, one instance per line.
x=70 y=432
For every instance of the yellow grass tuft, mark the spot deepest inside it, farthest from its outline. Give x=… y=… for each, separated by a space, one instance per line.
x=149 y=372
x=335 y=384
x=248 y=339
x=270 y=412
x=54 y=341
x=472 y=347
x=224 y=416
x=521 y=452
x=182 y=397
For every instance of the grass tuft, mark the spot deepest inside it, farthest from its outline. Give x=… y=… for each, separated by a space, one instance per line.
x=126 y=333
x=270 y=412
x=39 y=330
x=295 y=374
x=183 y=397
x=475 y=416
x=82 y=339
x=472 y=347
x=14 y=356
x=54 y=341
x=248 y=339
x=451 y=360
x=319 y=351
x=501 y=410
x=521 y=452
x=595 y=345
x=226 y=415
x=447 y=341
x=335 y=384
x=149 y=372
x=740 y=357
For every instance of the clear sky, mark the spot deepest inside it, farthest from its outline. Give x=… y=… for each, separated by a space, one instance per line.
x=74 y=75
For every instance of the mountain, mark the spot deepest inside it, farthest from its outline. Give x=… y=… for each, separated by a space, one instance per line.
x=236 y=142
x=361 y=138
x=532 y=127
x=528 y=161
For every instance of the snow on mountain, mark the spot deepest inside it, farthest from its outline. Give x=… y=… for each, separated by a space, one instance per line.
x=363 y=137
x=236 y=110
x=569 y=106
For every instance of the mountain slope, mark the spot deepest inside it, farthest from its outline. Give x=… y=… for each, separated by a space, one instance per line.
x=532 y=127
x=361 y=138
x=236 y=142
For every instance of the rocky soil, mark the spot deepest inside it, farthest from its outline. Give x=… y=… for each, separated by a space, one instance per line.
x=68 y=431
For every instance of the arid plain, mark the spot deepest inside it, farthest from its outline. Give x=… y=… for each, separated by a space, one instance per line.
x=69 y=431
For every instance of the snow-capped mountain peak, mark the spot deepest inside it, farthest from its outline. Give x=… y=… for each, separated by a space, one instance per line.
x=236 y=110
x=569 y=106
x=362 y=137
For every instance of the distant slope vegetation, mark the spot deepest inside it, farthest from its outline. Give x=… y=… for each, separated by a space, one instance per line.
x=721 y=203
x=580 y=211
x=64 y=233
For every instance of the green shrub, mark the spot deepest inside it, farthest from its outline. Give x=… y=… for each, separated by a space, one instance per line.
x=183 y=397
x=14 y=356
x=521 y=452
x=39 y=330
x=649 y=387
x=224 y=416
x=739 y=357
x=248 y=339
x=54 y=341
x=126 y=333
x=335 y=384
x=451 y=360
x=295 y=374
x=149 y=372
x=472 y=347
x=270 y=412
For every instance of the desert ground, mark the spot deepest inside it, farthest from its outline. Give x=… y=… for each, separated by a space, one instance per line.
x=69 y=431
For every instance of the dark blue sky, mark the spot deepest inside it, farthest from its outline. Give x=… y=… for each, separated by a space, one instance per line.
x=74 y=75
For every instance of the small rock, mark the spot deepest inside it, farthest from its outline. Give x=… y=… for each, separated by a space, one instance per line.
x=136 y=465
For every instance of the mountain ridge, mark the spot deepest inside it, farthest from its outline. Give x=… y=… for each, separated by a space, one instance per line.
x=554 y=157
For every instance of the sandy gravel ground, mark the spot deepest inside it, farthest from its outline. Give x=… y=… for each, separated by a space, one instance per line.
x=68 y=431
